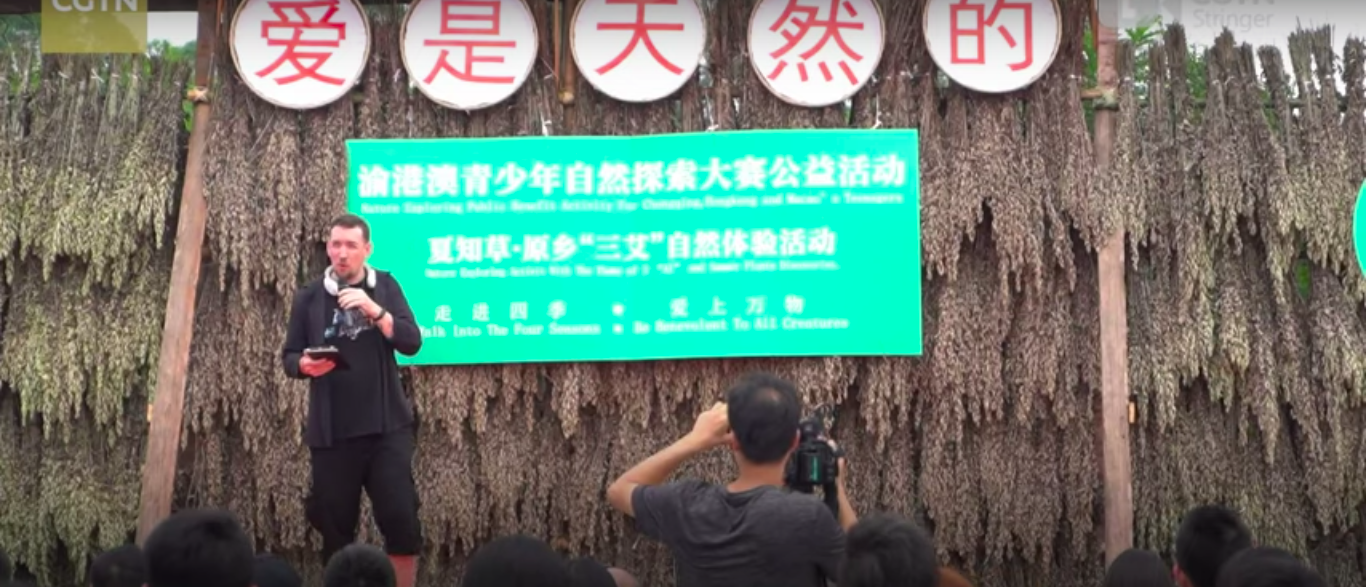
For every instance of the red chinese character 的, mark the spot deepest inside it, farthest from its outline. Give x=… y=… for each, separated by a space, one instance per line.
x=481 y=23
x=807 y=18
x=982 y=21
x=292 y=52
x=640 y=32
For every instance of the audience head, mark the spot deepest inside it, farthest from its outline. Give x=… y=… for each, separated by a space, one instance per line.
x=1138 y=568
x=764 y=413
x=124 y=566
x=516 y=561
x=199 y=548
x=883 y=550
x=1267 y=567
x=586 y=572
x=6 y=568
x=359 y=565
x=273 y=571
x=1209 y=536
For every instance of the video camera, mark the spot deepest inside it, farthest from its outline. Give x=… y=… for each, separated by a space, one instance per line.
x=815 y=463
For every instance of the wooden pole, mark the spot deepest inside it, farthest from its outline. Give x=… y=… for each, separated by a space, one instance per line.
x=167 y=414
x=1117 y=468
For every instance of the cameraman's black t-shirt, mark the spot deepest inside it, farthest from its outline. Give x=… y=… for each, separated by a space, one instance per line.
x=764 y=537
x=357 y=392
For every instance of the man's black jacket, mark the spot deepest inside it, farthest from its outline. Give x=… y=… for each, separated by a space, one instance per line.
x=308 y=321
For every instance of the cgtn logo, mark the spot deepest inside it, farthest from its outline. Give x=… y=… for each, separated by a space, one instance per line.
x=95 y=5
x=94 y=26
x=1201 y=18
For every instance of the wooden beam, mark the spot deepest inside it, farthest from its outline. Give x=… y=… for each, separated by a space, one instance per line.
x=163 y=434
x=1116 y=463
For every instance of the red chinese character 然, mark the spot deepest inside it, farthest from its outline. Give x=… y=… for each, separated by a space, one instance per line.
x=485 y=18
x=807 y=18
x=292 y=45
x=640 y=32
x=978 y=32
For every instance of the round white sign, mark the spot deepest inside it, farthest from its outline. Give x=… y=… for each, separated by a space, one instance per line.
x=993 y=46
x=638 y=50
x=300 y=54
x=469 y=54
x=815 y=52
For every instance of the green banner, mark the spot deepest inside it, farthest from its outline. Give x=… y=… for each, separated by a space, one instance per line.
x=722 y=244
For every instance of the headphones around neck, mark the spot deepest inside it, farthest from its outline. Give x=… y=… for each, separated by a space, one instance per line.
x=330 y=280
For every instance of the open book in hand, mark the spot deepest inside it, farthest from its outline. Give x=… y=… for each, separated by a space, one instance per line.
x=330 y=353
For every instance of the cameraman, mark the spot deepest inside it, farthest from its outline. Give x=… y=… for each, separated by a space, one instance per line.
x=751 y=532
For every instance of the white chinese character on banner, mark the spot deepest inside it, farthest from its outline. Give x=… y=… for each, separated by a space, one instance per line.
x=678 y=308
x=608 y=247
x=546 y=177
x=637 y=247
x=480 y=313
x=408 y=181
x=716 y=175
x=718 y=307
x=680 y=245
x=821 y=241
x=820 y=172
x=755 y=305
x=441 y=252
x=792 y=242
x=734 y=243
x=374 y=181
x=681 y=175
x=564 y=247
x=763 y=243
x=648 y=177
x=751 y=173
x=477 y=177
x=855 y=171
x=498 y=247
x=706 y=244
x=469 y=249
x=587 y=239
x=579 y=179
x=786 y=173
x=794 y=304
x=517 y=311
x=443 y=313
x=889 y=171
x=535 y=248
x=511 y=178
x=614 y=179
x=442 y=180
x=557 y=310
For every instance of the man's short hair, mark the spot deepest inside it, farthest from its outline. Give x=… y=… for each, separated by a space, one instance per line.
x=198 y=548
x=764 y=413
x=516 y=560
x=6 y=568
x=359 y=565
x=1138 y=568
x=352 y=221
x=884 y=550
x=1267 y=567
x=124 y=566
x=586 y=572
x=272 y=571
x=1209 y=536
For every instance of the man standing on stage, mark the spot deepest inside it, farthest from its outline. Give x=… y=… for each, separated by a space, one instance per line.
x=360 y=425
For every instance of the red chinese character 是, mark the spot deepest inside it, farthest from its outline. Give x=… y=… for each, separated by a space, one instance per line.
x=305 y=22
x=640 y=32
x=981 y=23
x=487 y=24
x=807 y=18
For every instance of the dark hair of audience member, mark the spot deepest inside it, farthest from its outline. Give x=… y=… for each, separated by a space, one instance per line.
x=6 y=568
x=883 y=550
x=1209 y=536
x=951 y=578
x=586 y=572
x=764 y=413
x=359 y=565
x=198 y=548
x=516 y=561
x=124 y=566
x=1267 y=567
x=1138 y=568
x=272 y=571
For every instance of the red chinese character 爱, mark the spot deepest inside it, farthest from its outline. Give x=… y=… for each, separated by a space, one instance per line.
x=640 y=32
x=485 y=19
x=807 y=18
x=292 y=45
x=978 y=31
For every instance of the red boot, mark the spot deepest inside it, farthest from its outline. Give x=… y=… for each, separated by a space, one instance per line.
x=405 y=570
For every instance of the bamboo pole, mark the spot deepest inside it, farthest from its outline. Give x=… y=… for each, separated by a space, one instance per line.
x=167 y=414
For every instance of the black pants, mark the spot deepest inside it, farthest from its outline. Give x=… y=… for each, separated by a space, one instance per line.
x=382 y=465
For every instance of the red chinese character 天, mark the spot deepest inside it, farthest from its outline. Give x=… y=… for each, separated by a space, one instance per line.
x=807 y=18
x=981 y=22
x=640 y=33
x=484 y=18
x=315 y=57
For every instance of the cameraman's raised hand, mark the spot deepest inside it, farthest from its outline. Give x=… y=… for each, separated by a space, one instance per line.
x=712 y=428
